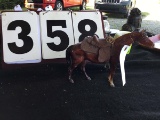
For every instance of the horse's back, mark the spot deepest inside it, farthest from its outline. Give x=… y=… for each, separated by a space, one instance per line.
x=72 y=49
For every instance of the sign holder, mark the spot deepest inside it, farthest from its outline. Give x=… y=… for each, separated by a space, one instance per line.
x=46 y=61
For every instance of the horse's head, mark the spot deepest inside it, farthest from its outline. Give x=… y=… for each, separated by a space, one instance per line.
x=142 y=38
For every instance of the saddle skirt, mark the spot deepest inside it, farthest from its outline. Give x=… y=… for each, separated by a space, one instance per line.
x=101 y=47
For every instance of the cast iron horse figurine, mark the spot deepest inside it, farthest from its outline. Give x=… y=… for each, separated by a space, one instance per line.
x=78 y=54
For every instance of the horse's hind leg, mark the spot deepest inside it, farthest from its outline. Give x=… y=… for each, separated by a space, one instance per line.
x=83 y=64
x=70 y=70
x=107 y=65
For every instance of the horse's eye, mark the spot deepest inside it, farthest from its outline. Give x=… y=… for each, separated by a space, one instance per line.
x=145 y=34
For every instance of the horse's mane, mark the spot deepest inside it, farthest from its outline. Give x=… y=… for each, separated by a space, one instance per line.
x=110 y=39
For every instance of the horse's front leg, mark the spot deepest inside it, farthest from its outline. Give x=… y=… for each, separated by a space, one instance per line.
x=83 y=64
x=112 y=72
x=110 y=76
x=70 y=70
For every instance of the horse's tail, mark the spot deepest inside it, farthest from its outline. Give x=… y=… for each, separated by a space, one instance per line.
x=68 y=55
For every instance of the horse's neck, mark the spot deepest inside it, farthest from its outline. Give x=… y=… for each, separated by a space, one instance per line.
x=135 y=37
x=126 y=39
x=130 y=39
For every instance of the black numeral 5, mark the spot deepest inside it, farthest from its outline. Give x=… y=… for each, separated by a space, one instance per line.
x=58 y=33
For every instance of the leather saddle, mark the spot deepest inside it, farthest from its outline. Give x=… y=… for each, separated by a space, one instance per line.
x=101 y=47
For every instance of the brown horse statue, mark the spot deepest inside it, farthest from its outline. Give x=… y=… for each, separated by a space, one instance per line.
x=94 y=50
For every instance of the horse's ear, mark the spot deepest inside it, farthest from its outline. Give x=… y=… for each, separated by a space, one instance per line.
x=143 y=31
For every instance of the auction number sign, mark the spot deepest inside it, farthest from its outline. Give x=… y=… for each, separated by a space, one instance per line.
x=29 y=38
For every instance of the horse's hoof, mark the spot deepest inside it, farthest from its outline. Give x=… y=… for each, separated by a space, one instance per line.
x=112 y=85
x=88 y=78
x=71 y=81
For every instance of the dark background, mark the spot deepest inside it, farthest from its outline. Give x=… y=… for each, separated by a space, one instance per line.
x=9 y=4
x=43 y=92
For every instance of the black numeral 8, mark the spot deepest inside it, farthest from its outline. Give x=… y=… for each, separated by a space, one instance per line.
x=81 y=27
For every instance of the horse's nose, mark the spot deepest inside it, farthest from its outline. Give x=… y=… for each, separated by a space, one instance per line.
x=151 y=44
